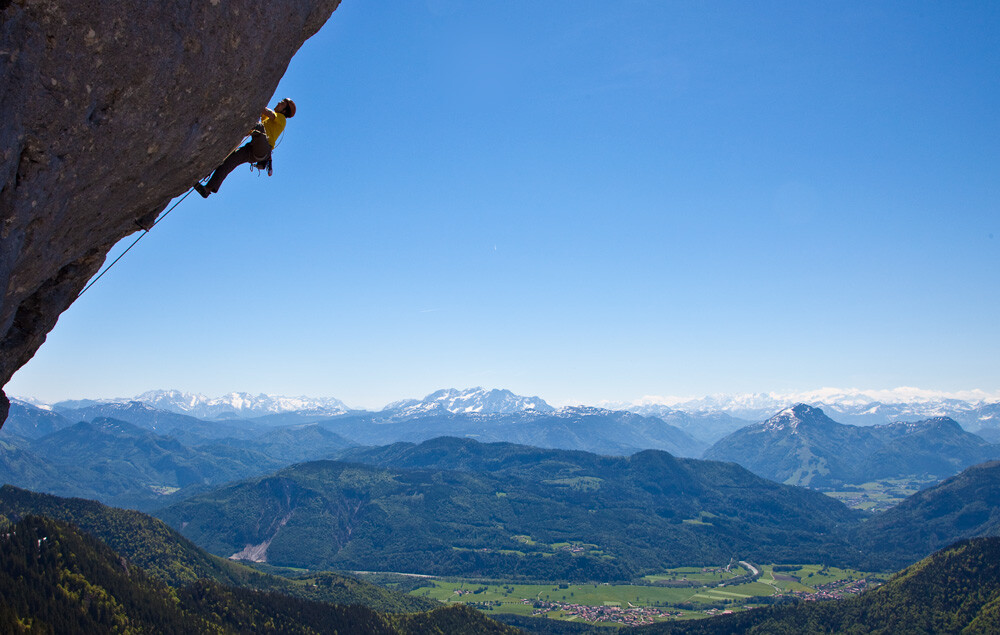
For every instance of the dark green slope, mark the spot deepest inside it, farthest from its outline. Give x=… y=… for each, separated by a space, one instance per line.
x=59 y=580
x=956 y=590
x=121 y=464
x=964 y=506
x=937 y=446
x=672 y=487
x=135 y=455
x=288 y=444
x=18 y=465
x=469 y=455
x=126 y=464
x=169 y=557
x=505 y=511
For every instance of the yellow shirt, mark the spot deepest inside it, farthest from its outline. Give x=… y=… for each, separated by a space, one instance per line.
x=273 y=126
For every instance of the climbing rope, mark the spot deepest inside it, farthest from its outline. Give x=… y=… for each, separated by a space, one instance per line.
x=144 y=232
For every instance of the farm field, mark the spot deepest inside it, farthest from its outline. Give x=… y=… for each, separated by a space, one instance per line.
x=812 y=578
x=877 y=496
x=706 y=575
x=704 y=594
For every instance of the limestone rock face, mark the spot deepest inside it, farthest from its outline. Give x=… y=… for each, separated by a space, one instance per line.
x=108 y=110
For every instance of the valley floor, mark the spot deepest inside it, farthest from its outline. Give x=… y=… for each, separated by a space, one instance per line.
x=677 y=594
x=878 y=496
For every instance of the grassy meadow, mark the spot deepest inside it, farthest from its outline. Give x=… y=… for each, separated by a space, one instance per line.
x=704 y=593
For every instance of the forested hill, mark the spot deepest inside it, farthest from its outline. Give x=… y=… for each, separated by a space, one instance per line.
x=964 y=506
x=542 y=514
x=167 y=556
x=58 y=579
x=956 y=590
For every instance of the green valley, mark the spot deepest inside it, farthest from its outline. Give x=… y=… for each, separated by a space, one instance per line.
x=679 y=593
x=956 y=590
x=879 y=495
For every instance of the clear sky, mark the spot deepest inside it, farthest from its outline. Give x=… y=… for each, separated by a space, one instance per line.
x=585 y=201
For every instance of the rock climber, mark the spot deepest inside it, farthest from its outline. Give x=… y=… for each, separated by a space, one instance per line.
x=257 y=150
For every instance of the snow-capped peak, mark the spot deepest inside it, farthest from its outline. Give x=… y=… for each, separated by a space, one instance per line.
x=237 y=404
x=470 y=400
x=793 y=416
x=863 y=407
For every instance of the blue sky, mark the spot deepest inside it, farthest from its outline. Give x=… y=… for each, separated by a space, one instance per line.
x=585 y=201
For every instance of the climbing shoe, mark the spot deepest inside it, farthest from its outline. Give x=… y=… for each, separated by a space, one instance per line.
x=198 y=187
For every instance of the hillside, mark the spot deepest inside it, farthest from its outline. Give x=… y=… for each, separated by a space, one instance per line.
x=542 y=514
x=964 y=506
x=121 y=464
x=134 y=464
x=165 y=555
x=802 y=446
x=25 y=420
x=707 y=427
x=956 y=590
x=58 y=579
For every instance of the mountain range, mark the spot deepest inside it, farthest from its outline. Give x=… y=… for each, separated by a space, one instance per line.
x=473 y=400
x=802 y=446
x=235 y=405
x=133 y=454
x=458 y=506
x=706 y=419
x=974 y=410
x=572 y=428
x=487 y=415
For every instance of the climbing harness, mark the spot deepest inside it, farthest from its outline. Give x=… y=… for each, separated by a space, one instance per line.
x=144 y=232
x=266 y=164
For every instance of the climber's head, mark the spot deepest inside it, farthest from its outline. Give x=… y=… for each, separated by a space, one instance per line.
x=285 y=107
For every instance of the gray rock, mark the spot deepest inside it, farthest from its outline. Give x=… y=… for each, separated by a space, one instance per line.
x=108 y=110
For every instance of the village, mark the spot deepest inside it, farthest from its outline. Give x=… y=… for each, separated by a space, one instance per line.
x=836 y=590
x=610 y=613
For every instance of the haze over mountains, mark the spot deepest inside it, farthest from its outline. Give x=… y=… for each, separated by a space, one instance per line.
x=706 y=419
x=975 y=410
x=235 y=405
x=799 y=445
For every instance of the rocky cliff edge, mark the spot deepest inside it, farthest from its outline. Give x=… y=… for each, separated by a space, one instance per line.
x=108 y=110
